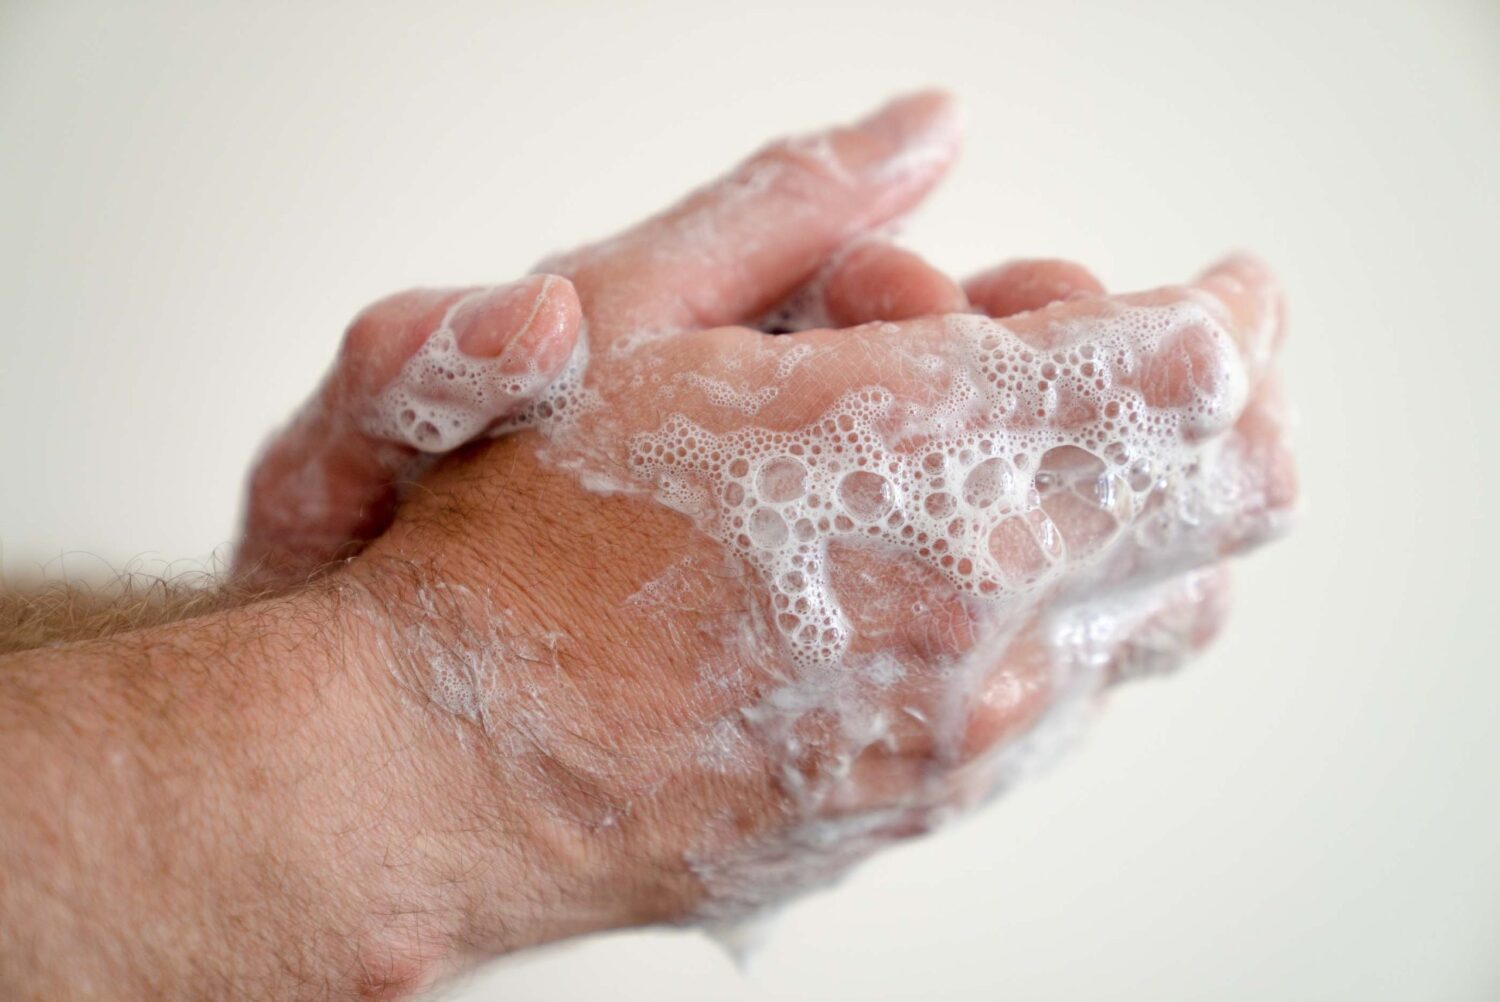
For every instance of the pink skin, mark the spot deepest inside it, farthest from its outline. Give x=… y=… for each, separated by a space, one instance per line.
x=1190 y=604
x=732 y=249
x=323 y=487
x=878 y=281
x=668 y=305
x=1153 y=606
x=1197 y=613
x=1025 y=285
x=722 y=257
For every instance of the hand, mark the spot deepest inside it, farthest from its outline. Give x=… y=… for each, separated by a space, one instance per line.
x=329 y=482
x=583 y=680
x=781 y=599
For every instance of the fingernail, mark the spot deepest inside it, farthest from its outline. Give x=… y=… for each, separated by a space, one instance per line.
x=546 y=338
x=487 y=321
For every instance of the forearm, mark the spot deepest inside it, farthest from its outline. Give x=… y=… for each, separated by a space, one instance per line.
x=219 y=806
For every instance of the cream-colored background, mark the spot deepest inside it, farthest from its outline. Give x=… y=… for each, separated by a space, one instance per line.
x=194 y=198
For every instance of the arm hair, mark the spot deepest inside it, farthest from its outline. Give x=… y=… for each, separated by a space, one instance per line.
x=46 y=613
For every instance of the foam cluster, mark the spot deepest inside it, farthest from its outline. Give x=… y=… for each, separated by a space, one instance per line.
x=1030 y=461
x=444 y=397
x=1074 y=477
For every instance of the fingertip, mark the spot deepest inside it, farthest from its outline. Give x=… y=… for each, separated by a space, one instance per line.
x=548 y=337
x=908 y=142
x=1253 y=297
x=878 y=281
x=385 y=334
x=520 y=320
x=1243 y=265
x=928 y=117
x=1030 y=284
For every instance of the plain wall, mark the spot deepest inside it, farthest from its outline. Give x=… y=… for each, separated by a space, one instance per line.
x=194 y=198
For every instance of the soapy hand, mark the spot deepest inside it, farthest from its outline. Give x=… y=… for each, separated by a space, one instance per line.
x=329 y=482
x=796 y=596
x=730 y=609
x=770 y=602
x=743 y=608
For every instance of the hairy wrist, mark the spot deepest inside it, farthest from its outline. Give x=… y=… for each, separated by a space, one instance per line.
x=489 y=687
x=514 y=615
x=231 y=804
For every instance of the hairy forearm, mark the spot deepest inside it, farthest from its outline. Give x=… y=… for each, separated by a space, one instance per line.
x=289 y=797
x=217 y=806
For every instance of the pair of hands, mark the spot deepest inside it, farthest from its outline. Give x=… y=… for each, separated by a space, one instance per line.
x=707 y=620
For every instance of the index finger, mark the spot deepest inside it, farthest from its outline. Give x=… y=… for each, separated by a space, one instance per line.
x=732 y=249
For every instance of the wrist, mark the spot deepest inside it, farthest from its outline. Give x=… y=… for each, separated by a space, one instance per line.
x=505 y=614
x=226 y=804
x=477 y=681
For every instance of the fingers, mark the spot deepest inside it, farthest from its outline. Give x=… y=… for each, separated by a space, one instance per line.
x=1121 y=635
x=1195 y=351
x=925 y=746
x=422 y=370
x=1005 y=470
x=1250 y=298
x=1240 y=288
x=1175 y=621
x=1237 y=303
x=1228 y=325
x=1115 y=637
x=729 y=251
x=879 y=281
x=1022 y=286
x=479 y=356
x=1242 y=309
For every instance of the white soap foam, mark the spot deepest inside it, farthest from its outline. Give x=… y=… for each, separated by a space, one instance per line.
x=964 y=485
x=444 y=397
x=1022 y=479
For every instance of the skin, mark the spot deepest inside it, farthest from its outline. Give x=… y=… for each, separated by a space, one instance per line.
x=325 y=485
x=635 y=682
x=275 y=797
